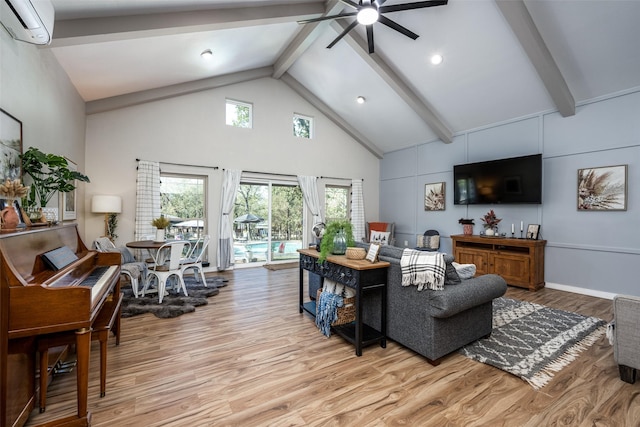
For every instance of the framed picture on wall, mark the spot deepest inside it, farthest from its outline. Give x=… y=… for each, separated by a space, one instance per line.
x=10 y=146
x=68 y=203
x=434 y=196
x=602 y=188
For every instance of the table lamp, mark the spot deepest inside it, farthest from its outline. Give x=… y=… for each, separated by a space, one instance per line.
x=108 y=205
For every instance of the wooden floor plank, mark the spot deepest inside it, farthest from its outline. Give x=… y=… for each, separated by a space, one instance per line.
x=248 y=358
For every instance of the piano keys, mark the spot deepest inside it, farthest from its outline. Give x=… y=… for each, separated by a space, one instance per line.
x=37 y=302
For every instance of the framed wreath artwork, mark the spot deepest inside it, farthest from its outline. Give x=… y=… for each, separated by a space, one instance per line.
x=602 y=188
x=434 y=196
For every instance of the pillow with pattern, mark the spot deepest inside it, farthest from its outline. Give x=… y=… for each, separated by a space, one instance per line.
x=379 y=237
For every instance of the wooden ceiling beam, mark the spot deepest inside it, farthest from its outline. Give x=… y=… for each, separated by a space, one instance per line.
x=519 y=19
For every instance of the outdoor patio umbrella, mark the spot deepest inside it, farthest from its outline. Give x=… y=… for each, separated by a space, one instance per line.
x=248 y=219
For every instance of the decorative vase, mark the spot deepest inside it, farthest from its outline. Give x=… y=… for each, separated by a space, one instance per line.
x=159 y=235
x=10 y=218
x=489 y=232
x=339 y=243
x=467 y=229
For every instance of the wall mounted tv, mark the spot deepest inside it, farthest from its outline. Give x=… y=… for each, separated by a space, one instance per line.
x=506 y=181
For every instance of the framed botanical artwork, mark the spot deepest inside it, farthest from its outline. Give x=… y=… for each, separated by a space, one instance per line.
x=533 y=231
x=434 y=196
x=10 y=146
x=68 y=204
x=602 y=188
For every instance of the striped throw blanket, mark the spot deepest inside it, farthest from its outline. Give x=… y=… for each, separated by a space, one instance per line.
x=423 y=269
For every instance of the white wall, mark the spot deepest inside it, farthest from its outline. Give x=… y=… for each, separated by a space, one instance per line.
x=588 y=252
x=191 y=129
x=35 y=90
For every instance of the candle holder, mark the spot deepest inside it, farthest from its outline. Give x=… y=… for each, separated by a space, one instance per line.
x=513 y=235
x=521 y=234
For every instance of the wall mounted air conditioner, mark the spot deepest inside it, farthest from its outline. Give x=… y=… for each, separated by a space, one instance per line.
x=30 y=21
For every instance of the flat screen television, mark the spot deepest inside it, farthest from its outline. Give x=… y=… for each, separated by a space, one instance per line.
x=514 y=180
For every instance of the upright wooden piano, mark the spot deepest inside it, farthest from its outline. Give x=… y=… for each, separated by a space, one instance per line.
x=39 y=299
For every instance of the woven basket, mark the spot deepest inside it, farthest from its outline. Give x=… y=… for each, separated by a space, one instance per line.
x=356 y=253
x=346 y=313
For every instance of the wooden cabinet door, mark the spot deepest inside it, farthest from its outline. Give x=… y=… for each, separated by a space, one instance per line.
x=470 y=256
x=514 y=268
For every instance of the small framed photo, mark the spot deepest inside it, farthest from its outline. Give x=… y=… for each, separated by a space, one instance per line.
x=533 y=231
x=434 y=196
x=602 y=188
x=372 y=255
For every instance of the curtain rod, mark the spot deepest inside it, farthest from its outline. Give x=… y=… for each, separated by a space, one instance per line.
x=294 y=176
x=184 y=164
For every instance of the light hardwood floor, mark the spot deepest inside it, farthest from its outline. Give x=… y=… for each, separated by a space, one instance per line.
x=250 y=359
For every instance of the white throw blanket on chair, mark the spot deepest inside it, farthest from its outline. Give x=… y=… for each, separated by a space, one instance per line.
x=424 y=269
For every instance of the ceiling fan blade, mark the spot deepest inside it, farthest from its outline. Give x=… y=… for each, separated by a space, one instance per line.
x=342 y=34
x=349 y=3
x=324 y=18
x=409 y=6
x=399 y=28
x=370 y=37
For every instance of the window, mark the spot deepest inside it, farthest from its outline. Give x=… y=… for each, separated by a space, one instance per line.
x=336 y=203
x=239 y=114
x=302 y=126
x=182 y=201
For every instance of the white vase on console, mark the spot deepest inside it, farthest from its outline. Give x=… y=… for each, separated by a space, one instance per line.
x=489 y=232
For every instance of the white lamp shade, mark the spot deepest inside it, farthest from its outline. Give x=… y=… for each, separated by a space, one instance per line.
x=106 y=204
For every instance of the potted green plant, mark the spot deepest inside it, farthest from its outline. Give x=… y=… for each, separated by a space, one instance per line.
x=160 y=223
x=49 y=174
x=329 y=241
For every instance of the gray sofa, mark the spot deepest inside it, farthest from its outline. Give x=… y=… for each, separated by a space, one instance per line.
x=432 y=323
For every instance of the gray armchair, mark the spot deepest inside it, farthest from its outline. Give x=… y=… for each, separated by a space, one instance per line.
x=626 y=336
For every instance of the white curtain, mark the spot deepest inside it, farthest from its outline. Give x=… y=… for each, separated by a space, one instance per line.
x=357 y=210
x=230 y=184
x=147 y=198
x=309 y=187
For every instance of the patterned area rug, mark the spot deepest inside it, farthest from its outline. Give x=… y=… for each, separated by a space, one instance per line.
x=174 y=304
x=534 y=342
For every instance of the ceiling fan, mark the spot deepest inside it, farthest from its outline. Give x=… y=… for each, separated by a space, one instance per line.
x=368 y=12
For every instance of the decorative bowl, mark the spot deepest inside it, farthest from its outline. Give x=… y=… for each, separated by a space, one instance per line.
x=356 y=253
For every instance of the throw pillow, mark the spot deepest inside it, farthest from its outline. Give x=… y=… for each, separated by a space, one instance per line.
x=465 y=271
x=380 y=237
x=451 y=275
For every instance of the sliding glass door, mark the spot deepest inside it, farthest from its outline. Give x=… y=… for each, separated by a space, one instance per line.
x=267 y=222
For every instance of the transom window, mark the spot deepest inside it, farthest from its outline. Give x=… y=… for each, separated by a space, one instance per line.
x=302 y=126
x=239 y=114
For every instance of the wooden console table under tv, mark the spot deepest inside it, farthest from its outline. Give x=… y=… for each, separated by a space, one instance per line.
x=360 y=275
x=519 y=261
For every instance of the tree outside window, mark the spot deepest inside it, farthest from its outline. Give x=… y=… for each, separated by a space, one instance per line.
x=302 y=126
x=239 y=114
x=336 y=203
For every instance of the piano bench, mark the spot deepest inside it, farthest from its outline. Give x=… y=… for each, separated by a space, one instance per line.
x=108 y=320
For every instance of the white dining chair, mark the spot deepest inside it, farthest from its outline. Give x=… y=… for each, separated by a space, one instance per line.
x=134 y=270
x=195 y=261
x=165 y=266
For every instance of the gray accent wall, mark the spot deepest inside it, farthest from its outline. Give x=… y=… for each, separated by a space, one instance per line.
x=587 y=252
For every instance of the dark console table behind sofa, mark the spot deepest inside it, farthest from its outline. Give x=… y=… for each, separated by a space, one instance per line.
x=362 y=276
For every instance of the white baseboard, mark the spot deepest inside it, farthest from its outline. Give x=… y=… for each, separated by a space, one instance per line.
x=582 y=291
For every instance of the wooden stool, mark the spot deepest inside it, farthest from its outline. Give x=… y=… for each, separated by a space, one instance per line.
x=99 y=332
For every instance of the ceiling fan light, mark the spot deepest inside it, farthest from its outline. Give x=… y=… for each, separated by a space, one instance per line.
x=367 y=15
x=206 y=54
x=361 y=100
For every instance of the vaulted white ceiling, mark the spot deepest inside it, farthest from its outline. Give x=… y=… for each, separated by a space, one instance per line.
x=503 y=59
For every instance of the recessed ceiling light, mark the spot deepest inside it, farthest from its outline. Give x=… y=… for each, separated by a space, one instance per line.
x=361 y=99
x=367 y=15
x=206 y=54
x=437 y=59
